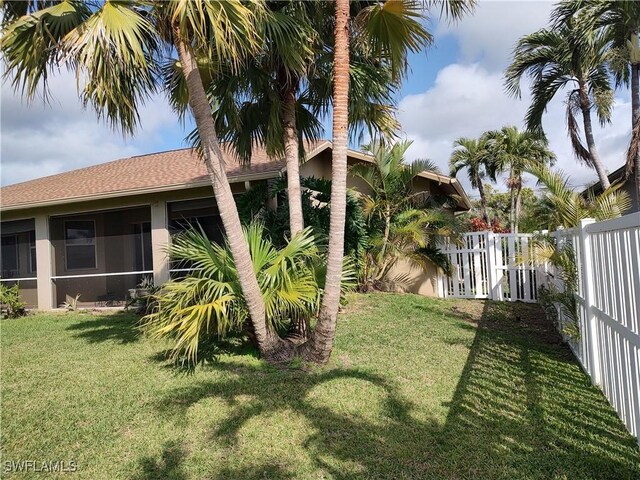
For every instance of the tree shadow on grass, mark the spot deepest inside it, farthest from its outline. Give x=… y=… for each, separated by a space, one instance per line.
x=119 y=327
x=531 y=410
x=168 y=467
x=522 y=409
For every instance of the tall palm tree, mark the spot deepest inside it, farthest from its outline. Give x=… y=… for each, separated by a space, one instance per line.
x=377 y=25
x=474 y=156
x=117 y=49
x=320 y=344
x=559 y=58
x=516 y=151
x=620 y=23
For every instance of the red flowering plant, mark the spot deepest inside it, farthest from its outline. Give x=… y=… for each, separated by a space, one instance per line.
x=479 y=225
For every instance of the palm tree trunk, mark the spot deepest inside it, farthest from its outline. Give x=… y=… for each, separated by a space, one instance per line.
x=516 y=214
x=291 y=149
x=483 y=202
x=635 y=120
x=585 y=106
x=320 y=345
x=635 y=92
x=387 y=229
x=512 y=201
x=214 y=161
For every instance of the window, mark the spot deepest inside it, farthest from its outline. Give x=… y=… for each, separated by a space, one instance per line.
x=142 y=246
x=80 y=244
x=10 y=266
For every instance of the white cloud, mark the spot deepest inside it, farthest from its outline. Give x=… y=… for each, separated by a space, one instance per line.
x=467 y=100
x=490 y=33
x=40 y=140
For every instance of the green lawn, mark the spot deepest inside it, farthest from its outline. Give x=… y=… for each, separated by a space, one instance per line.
x=417 y=388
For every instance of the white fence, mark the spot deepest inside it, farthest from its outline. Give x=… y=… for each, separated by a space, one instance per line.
x=488 y=265
x=608 y=298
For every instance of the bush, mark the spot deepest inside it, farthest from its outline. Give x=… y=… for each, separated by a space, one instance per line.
x=200 y=310
x=11 y=306
x=316 y=195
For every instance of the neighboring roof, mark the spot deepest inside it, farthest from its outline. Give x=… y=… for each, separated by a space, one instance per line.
x=613 y=177
x=164 y=171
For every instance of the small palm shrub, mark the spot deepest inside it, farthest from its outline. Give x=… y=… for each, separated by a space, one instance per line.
x=71 y=305
x=554 y=301
x=207 y=305
x=11 y=305
x=567 y=207
x=413 y=236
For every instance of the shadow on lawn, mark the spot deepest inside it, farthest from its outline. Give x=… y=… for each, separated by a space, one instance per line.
x=522 y=409
x=119 y=327
x=169 y=467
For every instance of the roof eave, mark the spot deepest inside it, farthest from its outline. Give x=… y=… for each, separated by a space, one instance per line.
x=136 y=192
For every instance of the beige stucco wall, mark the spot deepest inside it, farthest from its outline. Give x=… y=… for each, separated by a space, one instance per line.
x=320 y=167
x=406 y=277
x=415 y=280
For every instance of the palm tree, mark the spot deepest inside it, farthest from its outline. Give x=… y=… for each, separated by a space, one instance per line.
x=474 y=156
x=517 y=151
x=620 y=22
x=390 y=181
x=563 y=57
x=391 y=40
x=413 y=236
x=209 y=303
x=118 y=49
x=568 y=207
x=320 y=344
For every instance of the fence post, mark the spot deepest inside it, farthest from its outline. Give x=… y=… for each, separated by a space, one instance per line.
x=491 y=266
x=440 y=283
x=587 y=282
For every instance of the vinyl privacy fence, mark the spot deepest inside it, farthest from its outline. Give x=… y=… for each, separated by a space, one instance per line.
x=607 y=255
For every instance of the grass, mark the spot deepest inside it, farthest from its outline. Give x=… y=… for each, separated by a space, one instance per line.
x=417 y=388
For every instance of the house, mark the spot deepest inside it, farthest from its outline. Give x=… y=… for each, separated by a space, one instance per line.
x=98 y=231
x=628 y=186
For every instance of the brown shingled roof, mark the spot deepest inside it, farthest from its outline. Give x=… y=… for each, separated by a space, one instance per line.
x=144 y=173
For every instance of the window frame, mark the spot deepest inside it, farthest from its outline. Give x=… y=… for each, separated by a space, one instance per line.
x=33 y=252
x=67 y=245
x=140 y=242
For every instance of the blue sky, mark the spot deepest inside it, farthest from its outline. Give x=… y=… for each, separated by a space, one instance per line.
x=454 y=89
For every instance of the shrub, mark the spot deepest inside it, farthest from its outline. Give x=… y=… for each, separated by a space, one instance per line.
x=316 y=194
x=11 y=305
x=200 y=310
x=477 y=224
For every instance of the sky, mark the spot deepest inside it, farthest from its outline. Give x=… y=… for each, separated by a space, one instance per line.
x=455 y=89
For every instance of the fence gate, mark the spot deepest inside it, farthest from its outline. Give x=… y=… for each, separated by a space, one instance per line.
x=489 y=265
